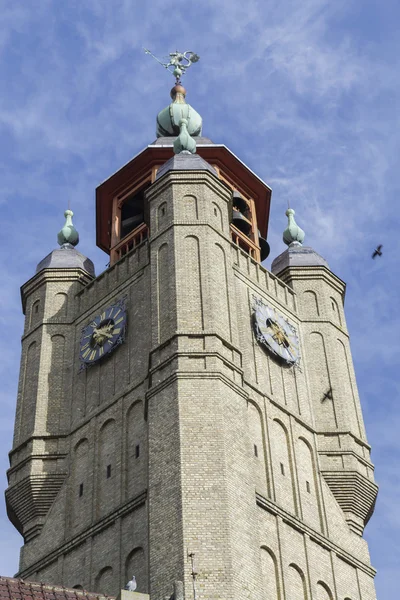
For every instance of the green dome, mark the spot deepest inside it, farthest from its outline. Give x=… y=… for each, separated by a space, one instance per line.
x=68 y=234
x=169 y=118
x=292 y=233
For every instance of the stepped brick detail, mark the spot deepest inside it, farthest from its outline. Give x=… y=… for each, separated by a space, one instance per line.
x=355 y=494
x=29 y=501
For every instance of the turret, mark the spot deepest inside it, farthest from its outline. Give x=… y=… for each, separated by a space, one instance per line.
x=37 y=468
x=343 y=448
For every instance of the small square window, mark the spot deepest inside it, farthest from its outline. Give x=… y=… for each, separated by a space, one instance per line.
x=80 y=490
x=282 y=469
x=255 y=450
x=137 y=451
x=108 y=471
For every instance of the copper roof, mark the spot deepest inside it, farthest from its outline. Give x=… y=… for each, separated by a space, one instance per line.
x=19 y=589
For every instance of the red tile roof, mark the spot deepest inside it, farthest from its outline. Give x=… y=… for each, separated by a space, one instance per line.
x=19 y=589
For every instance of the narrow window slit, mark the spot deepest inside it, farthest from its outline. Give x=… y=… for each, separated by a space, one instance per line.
x=108 y=471
x=80 y=490
x=282 y=469
x=137 y=451
x=255 y=450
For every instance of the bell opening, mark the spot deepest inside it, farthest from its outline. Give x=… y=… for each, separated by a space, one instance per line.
x=132 y=212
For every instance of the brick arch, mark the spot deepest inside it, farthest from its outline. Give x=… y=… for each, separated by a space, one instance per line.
x=135 y=450
x=258 y=441
x=34 y=314
x=296 y=587
x=270 y=573
x=282 y=467
x=103 y=582
x=106 y=488
x=335 y=310
x=60 y=305
x=311 y=306
x=136 y=564
x=324 y=592
x=190 y=207
x=80 y=485
x=308 y=483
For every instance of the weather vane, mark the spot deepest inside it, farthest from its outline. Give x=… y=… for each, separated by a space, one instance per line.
x=178 y=62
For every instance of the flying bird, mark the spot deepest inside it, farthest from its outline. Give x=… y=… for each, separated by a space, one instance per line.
x=131 y=585
x=378 y=251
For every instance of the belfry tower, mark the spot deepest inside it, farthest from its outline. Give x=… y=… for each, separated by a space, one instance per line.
x=188 y=416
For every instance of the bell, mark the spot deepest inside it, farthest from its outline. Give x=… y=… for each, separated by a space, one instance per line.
x=131 y=223
x=239 y=221
x=264 y=247
x=239 y=202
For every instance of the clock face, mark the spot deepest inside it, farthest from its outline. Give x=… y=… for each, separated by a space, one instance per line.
x=276 y=333
x=104 y=333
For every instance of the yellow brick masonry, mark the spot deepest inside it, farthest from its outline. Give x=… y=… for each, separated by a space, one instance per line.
x=240 y=462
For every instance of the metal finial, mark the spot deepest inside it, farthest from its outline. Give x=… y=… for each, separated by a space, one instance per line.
x=184 y=142
x=178 y=63
x=292 y=233
x=68 y=234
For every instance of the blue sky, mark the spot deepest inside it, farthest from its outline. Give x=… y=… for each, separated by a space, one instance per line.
x=305 y=92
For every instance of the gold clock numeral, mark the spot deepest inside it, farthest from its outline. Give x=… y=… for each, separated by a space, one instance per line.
x=117 y=313
x=119 y=320
x=85 y=346
x=86 y=353
x=93 y=355
x=116 y=331
x=102 y=316
x=93 y=324
x=101 y=351
x=110 y=313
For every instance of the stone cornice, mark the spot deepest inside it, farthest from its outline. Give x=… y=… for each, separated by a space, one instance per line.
x=319 y=272
x=50 y=275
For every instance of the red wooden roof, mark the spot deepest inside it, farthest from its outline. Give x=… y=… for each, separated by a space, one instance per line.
x=231 y=168
x=19 y=589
